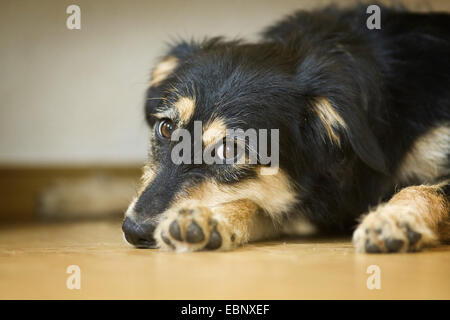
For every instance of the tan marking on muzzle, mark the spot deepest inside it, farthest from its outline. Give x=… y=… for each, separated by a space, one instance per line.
x=272 y=193
x=146 y=179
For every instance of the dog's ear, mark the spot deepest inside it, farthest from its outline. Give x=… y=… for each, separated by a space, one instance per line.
x=178 y=55
x=343 y=84
x=337 y=123
x=162 y=74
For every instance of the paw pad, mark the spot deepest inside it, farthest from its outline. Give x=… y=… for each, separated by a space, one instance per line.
x=194 y=233
x=215 y=240
x=175 y=231
x=390 y=231
x=413 y=236
x=393 y=245
x=372 y=247
x=193 y=229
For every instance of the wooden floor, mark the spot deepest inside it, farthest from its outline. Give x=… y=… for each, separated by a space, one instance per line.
x=34 y=259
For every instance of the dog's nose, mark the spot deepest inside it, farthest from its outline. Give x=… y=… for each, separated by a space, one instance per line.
x=139 y=235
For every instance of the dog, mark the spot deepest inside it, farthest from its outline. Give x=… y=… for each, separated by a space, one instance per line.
x=363 y=117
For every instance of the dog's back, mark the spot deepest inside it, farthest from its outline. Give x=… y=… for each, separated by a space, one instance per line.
x=402 y=71
x=407 y=87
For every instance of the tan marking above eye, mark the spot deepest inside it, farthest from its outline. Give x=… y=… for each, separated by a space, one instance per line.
x=214 y=131
x=163 y=70
x=168 y=113
x=330 y=118
x=185 y=107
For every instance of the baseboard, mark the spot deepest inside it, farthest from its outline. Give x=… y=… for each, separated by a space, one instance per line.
x=22 y=189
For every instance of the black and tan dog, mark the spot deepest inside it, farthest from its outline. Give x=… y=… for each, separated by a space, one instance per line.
x=364 y=135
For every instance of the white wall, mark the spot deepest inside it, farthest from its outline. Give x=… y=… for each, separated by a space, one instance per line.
x=76 y=96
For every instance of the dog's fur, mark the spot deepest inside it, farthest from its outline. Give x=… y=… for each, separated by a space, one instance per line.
x=364 y=120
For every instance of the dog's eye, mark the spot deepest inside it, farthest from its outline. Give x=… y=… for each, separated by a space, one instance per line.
x=229 y=150
x=165 y=128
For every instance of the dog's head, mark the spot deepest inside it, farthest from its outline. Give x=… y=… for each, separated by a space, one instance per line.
x=201 y=91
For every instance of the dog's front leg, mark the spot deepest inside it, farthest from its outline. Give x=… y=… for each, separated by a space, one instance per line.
x=416 y=217
x=193 y=227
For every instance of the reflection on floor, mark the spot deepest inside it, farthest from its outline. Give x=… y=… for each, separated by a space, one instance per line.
x=34 y=260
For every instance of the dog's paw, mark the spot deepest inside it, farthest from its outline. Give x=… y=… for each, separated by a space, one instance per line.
x=193 y=228
x=392 y=228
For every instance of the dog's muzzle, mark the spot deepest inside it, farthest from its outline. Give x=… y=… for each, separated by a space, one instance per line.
x=142 y=215
x=139 y=235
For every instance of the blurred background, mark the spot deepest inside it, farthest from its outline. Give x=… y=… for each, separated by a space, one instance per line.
x=72 y=130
